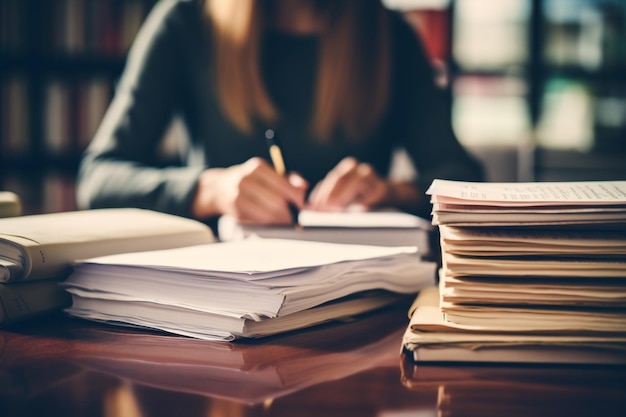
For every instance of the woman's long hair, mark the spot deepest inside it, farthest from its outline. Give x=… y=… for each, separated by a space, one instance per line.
x=352 y=78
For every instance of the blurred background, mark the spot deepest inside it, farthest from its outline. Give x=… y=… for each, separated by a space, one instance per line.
x=537 y=88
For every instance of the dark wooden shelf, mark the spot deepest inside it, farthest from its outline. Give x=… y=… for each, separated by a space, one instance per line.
x=59 y=64
x=83 y=63
x=600 y=75
x=34 y=66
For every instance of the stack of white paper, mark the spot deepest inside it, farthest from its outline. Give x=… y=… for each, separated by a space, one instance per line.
x=248 y=288
x=526 y=266
x=381 y=228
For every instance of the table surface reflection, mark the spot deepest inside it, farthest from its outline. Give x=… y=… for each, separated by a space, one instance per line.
x=68 y=367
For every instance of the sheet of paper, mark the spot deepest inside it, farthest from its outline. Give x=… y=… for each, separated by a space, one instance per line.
x=362 y=219
x=541 y=268
x=519 y=236
x=253 y=256
x=528 y=292
x=494 y=318
x=485 y=242
x=530 y=193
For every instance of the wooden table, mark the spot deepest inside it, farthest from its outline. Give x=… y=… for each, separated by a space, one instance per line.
x=67 y=367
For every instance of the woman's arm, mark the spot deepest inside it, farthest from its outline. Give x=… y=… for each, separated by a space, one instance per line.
x=120 y=167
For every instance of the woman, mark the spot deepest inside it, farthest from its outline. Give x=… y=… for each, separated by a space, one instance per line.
x=342 y=83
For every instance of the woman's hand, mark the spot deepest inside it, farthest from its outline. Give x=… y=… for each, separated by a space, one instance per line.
x=251 y=192
x=350 y=183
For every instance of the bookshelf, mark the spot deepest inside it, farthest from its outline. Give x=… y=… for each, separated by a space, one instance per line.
x=545 y=79
x=59 y=63
x=584 y=57
x=537 y=87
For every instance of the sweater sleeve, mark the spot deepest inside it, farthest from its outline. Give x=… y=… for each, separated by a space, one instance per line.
x=120 y=168
x=427 y=135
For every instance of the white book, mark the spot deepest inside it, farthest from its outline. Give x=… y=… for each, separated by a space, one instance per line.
x=44 y=246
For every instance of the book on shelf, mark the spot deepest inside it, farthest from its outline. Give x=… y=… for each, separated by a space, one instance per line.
x=73 y=111
x=92 y=100
x=58 y=192
x=58 y=110
x=244 y=289
x=381 y=228
x=15 y=125
x=541 y=288
x=105 y=27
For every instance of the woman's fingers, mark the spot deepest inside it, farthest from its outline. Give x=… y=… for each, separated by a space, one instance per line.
x=262 y=196
x=349 y=183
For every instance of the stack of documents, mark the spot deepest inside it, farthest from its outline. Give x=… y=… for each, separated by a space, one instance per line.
x=531 y=272
x=250 y=288
x=385 y=227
